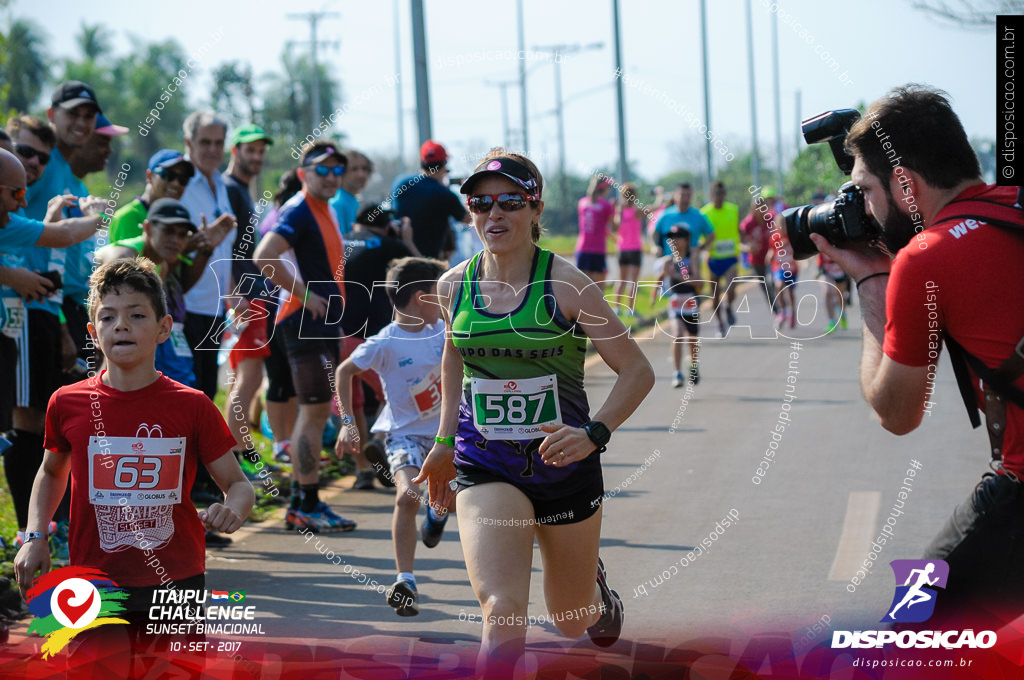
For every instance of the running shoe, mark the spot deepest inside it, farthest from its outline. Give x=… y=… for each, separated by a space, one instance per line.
x=832 y=323
x=364 y=480
x=284 y=455
x=431 y=530
x=677 y=379
x=730 y=317
x=335 y=518
x=378 y=460
x=606 y=631
x=318 y=521
x=402 y=596
x=842 y=321
x=694 y=374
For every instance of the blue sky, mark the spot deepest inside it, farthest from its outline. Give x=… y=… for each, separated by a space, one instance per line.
x=835 y=54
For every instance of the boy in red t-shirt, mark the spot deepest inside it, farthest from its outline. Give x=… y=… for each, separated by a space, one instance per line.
x=130 y=438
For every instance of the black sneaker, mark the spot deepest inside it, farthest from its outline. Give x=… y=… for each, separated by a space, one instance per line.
x=364 y=480
x=606 y=631
x=378 y=460
x=431 y=531
x=403 y=598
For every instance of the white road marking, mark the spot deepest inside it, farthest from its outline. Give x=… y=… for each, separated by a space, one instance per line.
x=859 y=527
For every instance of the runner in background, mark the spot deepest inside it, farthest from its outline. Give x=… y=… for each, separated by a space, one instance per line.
x=517 y=439
x=683 y=305
x=595 y=212
x=345 y=203
x=407 y=355
x=629 y=225
x=723 y=251
x=754 y=229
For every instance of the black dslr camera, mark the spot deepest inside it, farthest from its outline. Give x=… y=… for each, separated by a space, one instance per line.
x=843 y=220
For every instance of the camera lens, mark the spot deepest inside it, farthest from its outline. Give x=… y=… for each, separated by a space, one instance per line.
x=805 y=220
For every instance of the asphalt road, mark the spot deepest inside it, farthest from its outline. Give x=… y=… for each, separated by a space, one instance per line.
x=683 y=464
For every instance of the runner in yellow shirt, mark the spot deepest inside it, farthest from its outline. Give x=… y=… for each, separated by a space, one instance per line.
x=723 y=250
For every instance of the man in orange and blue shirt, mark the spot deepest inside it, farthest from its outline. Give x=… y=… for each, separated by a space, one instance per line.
x=313 y=274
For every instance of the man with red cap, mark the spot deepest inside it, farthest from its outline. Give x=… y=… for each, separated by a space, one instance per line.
x=426 y=200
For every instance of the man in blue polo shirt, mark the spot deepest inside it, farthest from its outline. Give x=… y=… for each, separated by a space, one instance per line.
x=426 y=200
x=684 y=214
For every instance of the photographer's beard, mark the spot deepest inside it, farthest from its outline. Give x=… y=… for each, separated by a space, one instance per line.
x=898 y=228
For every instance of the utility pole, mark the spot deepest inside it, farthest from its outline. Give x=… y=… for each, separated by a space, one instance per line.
x=398 y=85
x=778 y=103
x=755 y=160
x=419 y=50
x=313 y=18
x=707 y=95
x=557 y=51
x=506 y=130
x=623 y=161
x=522 y=77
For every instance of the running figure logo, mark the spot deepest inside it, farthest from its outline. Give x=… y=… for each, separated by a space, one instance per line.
x=914 y=600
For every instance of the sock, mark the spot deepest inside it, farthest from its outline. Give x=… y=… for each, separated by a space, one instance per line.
x=434 y=516
x=296 y=499
x=310 y=497
x=407 y=576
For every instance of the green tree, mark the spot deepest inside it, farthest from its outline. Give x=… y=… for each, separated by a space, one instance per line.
x=287 y=97
x=93 y=41
x=813 y=169
x=25 y=69
x=233 y=92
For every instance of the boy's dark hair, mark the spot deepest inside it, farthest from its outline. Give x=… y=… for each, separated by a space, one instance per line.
x=684 y=185
x=920 y=131
x=132 y=274
x=410 y=275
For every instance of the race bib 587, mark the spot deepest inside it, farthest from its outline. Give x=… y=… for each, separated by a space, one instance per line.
x=515 y=409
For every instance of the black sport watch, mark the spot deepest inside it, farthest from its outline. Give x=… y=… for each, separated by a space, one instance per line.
x=598 y=433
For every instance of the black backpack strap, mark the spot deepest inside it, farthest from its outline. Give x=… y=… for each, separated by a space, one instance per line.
x=1000 y=379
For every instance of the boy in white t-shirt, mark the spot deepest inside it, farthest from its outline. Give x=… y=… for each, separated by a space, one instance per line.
x=407 y=355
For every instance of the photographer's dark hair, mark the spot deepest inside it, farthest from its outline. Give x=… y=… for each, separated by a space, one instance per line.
x=410 y=275
x=925 y=134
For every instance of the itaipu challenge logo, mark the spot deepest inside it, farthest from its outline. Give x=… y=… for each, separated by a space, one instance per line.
x=71 y=600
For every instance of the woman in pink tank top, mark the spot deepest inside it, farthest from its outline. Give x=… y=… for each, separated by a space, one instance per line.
x=629 y=222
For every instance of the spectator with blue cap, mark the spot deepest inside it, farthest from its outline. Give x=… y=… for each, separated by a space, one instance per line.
x=167 y=175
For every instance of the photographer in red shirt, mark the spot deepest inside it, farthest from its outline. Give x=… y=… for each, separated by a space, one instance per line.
x=953 y=275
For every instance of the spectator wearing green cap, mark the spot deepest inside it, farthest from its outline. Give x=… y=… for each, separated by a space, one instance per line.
x=252 y=308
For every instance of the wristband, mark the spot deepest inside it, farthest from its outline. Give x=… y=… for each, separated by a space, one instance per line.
x=447 y=441
x=32 y=535
x=305 y=297
x=871 y=276
x=347 y=419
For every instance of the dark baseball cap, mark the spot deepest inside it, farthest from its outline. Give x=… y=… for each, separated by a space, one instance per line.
x=170 y=211
x=508 y=168
x=318 y=152
x=678 y=231
x=74 y=93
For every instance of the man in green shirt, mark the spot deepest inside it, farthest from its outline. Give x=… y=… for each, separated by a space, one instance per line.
x=723 y=250
x=166 y=177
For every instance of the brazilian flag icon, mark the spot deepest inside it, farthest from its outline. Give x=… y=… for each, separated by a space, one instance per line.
x=237 y=595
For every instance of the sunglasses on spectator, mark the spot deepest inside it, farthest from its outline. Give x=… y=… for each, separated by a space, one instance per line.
x=17 y=193
x=482 y=203
x=324 y=170
x=181 y=178
x=26 y=151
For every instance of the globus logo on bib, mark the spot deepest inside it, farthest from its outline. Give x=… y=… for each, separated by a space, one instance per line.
x=511 y=385
x=913 y=601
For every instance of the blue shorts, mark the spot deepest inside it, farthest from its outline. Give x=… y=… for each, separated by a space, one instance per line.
x=591 y=262
x=784 y=277
x=720 y=267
